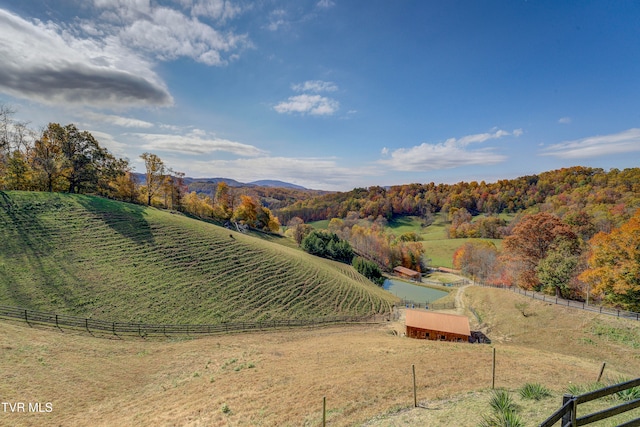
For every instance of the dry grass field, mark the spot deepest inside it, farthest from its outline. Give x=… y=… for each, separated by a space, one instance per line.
x=279 y=378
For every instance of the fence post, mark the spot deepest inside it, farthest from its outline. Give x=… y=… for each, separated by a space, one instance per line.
x=415 y=396
x=113 y=327
x=601 y=371
x=324 y=411
x=25 y=317
x=569 y=419
x=86 y=325
x=493 y=370
x=57 y=322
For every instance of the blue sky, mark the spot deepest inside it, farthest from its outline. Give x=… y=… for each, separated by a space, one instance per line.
x=334 y=94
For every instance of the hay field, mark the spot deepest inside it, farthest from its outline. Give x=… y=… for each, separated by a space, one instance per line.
x=279 y=378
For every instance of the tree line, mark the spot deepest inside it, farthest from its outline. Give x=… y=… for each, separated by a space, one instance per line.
x=67 y=159
x=562 y=257
x=608 y=197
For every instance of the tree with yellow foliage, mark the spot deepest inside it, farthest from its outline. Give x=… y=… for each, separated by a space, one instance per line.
x=614 y=265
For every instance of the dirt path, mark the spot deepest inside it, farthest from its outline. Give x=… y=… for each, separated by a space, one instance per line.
x=460 y=299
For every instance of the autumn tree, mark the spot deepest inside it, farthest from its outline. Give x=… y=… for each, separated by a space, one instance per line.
x=47 y=157
x=477 y=259
x=124 y=187
x=223 y=202
x=531 y=240
x=173 y=189
x=297 y=229
x=155 y=171
x=614 y=265
x=247 y=211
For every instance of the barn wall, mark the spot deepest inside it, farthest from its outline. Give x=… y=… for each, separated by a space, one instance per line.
x=433 y=335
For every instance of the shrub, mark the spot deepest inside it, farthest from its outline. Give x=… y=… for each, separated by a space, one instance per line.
x=327 y=245
x=368 y=269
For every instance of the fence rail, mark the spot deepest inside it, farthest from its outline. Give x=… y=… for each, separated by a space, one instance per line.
x=567 y=414
x=144 y=329
x=568 y=303
x=428 y=305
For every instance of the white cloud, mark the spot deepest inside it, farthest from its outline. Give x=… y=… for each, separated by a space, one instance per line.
x=216 y=9
x=108 y=141
x=196 y=143
x=596 y=146
x=48 y=63
x=108 y=61
x=126 y=122
x=168 y=34
x=277 y=19
x=324 y=173
x=325 y=4
x=449 y=154
x=315 y=86
x=564 y=120
x=315 y=105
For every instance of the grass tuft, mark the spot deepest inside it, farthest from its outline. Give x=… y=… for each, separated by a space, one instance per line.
x=534 y=391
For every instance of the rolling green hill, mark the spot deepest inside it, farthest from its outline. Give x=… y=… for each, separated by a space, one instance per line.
x=95 y=257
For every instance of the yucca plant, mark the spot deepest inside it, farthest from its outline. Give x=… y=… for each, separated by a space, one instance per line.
x=628 y=394
x=534 y=391
x=502 y=419
x=578 y=389
x=504 y=411
x=501 y=401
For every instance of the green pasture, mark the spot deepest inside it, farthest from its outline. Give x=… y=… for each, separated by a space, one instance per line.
x=89 y=256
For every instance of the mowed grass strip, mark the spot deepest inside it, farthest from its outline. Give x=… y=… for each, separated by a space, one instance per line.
x=93 y=257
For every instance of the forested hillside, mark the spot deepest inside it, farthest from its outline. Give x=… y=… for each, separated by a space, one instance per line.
x=608 y=196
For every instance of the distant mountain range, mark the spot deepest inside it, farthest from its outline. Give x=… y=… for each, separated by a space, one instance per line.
x=233 y=183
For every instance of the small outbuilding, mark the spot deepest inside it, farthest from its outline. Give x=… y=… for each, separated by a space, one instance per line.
x=408 y=273
x=430 y=325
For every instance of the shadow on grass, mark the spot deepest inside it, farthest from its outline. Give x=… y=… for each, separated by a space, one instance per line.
x=31 y=240
x=127 y=219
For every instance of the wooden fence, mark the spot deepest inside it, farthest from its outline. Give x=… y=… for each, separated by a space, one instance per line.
x=568 y=416
x=428 y=305
x=144 y=329
x=568 y=303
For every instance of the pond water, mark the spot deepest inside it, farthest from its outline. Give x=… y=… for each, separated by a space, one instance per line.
x=411 y=292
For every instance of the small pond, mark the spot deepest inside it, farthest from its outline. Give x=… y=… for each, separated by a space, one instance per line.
x=411 y=292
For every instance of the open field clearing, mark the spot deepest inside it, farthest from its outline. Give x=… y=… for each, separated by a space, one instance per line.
x=120 y=262
x=279 y=378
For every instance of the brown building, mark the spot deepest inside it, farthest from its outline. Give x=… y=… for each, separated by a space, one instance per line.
x=408 y=273
x=437 y=326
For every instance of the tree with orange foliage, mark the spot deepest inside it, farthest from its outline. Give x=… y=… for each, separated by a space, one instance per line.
x=531 y=240
x=614 y=265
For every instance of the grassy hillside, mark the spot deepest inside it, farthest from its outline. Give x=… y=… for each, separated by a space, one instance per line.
x=94 y=257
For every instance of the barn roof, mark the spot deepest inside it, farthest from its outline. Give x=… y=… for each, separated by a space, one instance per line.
x=406 y=271
x=443 y=322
